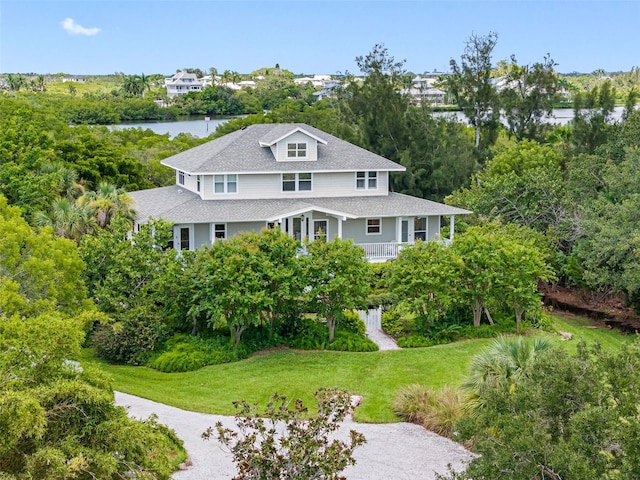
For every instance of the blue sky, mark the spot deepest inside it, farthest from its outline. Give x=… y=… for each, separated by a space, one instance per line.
x=307 y=36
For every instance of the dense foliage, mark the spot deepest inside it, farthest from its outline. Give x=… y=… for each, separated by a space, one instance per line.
x=569 y=416
x=57 y=416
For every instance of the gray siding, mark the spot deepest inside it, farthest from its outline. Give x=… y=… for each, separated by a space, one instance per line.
x=434 y=227
x=356 y=230
x=202 y=234
x=297 y=137
x=269 y=186
x=236 y=228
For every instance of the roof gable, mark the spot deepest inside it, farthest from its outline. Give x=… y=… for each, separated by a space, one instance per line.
x=283 y=131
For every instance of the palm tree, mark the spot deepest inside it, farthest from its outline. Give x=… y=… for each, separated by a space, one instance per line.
x=501 y=366
x=132 y=85
x=108 y=202
x=15 y=82
x=40 y=83
x=68 y=219
x=145 y=83
x=67 y=180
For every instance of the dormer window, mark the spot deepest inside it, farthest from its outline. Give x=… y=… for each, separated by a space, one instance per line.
x=180 y=178
x=366 y=180
x=296 y=150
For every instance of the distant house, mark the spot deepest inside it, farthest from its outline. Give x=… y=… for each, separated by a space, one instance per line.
x=423 y=90
x=74 y=79
x=295 y=177
x=317 y=80
x=182 y=83
x=328 y=89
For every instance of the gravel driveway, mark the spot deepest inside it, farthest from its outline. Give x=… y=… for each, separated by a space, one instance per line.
x=396 y=451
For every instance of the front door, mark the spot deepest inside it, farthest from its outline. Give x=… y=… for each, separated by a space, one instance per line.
x=406 y=230
x=298 y=227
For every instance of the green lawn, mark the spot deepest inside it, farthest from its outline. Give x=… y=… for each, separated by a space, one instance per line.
x=375 y=376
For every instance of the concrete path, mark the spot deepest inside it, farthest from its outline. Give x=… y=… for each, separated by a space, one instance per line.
x=384 y=341
x=399 y=451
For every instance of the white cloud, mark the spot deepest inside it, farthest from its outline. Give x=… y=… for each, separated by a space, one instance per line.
x=73 y=28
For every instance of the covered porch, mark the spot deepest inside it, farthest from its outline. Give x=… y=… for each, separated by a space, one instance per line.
x=382 y=238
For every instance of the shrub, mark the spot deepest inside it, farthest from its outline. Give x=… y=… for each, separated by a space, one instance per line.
x=182 y=358
x=308 y=335
x=350 y=321
x=444 y=333
x=488 y=331
x=185 y=353
x=132 y=340
x=397 y=323
x=352 y=342
x=414 y=341
x=438 y=411
x=281 y=442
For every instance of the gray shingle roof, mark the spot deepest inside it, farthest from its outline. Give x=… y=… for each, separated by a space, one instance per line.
x=240 y=152
x=178 y=205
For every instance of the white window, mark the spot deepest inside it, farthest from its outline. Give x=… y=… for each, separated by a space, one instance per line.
x=296 y=150
x=180 y=178
x=320 y=229
x=420 y=228
x=374 y=226
x=219 y=231
x=366 y=180
x=225 y=183
x=296 y=182
x=198 y=183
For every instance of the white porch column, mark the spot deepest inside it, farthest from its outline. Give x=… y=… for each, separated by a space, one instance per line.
x=452 y=227
x=340 y=227
x=398 y=229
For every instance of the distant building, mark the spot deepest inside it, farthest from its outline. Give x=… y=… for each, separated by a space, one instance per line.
x=182 y=83
x=424 y=91
x=73 y=79
x=317 y=80
x=328 y=89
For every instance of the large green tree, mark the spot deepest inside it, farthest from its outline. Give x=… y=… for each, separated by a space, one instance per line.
x=230 y=289
x=373 y=109
x=527 y=97
x=337 y=273
x=57 y=417
x=473 y=89
x=425 y=276
x=438 y=154
x=39 y=272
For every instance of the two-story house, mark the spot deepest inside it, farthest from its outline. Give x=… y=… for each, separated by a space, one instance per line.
x=182 y=83
x=306 y=181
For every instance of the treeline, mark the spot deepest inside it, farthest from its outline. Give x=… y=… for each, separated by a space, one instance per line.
x=43 y=158
x=58 y=418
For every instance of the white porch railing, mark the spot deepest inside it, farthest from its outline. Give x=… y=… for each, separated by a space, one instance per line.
x=381 y=251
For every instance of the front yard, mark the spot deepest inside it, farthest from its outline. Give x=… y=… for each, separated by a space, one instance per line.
x=375 y=376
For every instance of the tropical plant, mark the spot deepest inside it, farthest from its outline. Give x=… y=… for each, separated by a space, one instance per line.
x=501 y=366
x=68 y=219
x=108 y=202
